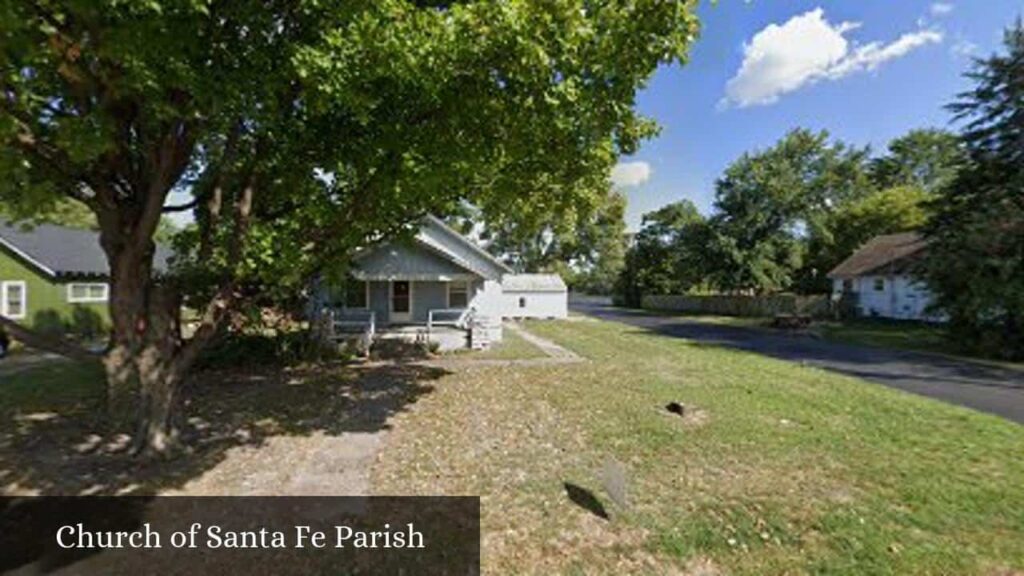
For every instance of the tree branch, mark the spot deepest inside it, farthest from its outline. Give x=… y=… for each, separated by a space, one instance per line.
x=181 y=207
x=57 y=345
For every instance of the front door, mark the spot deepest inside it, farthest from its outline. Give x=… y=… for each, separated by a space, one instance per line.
x=401 y=301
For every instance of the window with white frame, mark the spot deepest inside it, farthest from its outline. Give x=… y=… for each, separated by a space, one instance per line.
x=13 y=295
x=79 y=292
x=458 y=294
x=879 y=284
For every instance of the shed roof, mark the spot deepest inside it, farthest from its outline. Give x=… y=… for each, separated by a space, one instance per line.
x=878 y=252
x=532 y=283
x=60 y=251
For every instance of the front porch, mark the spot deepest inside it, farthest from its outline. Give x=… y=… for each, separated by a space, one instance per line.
x=447 y=329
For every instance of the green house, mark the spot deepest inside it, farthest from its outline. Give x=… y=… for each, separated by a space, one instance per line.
x=54 y=279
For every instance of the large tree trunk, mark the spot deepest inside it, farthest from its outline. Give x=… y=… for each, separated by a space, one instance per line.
x=144 y=365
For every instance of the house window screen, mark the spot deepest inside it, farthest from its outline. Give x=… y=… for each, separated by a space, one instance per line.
x=12 y=300
x=355 y=295
x=458 y=295
x=82 y=292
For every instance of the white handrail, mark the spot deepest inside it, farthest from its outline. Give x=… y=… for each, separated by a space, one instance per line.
x=461 y=315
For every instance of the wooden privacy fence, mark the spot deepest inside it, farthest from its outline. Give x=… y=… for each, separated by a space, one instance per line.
x=729 y=305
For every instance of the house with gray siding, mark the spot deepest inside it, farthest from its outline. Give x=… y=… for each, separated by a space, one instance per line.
x=438 y=278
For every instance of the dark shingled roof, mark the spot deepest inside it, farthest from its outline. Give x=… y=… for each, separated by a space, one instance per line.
x=62 y=251
x=878 y=252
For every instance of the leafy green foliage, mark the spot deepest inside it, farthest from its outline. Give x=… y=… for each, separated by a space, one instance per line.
x=344 y=121
x=584 y=242
x=975 y=262
x=56 y=210
x=668 y=255
x=767 y=200
x=850 y=225
x=928 y=159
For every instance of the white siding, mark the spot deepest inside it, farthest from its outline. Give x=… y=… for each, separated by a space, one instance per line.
x=488 y=303
x=536 y=304
x=899 y=297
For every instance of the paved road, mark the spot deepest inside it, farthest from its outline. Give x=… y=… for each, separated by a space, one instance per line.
x=983 y=387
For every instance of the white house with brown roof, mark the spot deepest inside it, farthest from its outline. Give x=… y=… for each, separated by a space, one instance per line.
x=878 y=279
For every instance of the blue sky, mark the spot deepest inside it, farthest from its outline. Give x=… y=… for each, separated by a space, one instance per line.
x=865 y=70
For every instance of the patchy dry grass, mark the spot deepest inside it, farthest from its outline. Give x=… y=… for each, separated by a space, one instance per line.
x=511 y=347
x=267 y=430
x=776 y=468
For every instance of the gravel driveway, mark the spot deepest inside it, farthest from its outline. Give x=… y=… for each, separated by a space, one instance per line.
x=976 y=385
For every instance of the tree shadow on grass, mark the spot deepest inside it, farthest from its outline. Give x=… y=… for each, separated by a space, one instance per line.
x=53 y=443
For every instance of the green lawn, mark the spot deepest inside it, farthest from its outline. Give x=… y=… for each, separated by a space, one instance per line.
x=56 y=386
x=898 y=335
x=906 y=335
x=776 y=469
x=511 y=347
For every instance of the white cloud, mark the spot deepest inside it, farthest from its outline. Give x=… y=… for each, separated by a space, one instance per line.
x=940 y=8
x=626 y=174
x=964 y=48
x=807 y=49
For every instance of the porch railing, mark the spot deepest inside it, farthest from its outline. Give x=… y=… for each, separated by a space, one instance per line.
x=458 y=317
x=344 y=321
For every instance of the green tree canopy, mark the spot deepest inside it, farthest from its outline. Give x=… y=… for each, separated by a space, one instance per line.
x=303 y=129
x=928 y=159
x=768 y=200
x=668 y=254
x=888 y=211
x=975 y=262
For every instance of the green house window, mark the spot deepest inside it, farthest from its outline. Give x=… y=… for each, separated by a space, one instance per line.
x=87 y=292
x=12 y=299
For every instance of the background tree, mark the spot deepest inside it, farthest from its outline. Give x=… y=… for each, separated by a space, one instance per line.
x=975 y=261
x=667 y=255
x=61 y=211
x=928 y=159
x=585 y=243
x=768 y=201
x=601 y=252
x=303 y=130
x=850 y=225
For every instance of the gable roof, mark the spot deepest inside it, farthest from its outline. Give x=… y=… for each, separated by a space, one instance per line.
x=878 y=252
x=408 y=261
x=60 y=251
x=533 y=283
x=454 y=256
x=437 y=235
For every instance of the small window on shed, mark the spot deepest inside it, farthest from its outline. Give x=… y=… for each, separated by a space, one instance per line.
x=847 y=285
x=879 y=284
x=522 y=301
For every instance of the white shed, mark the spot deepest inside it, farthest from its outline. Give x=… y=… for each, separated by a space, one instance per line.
x=535 y=296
